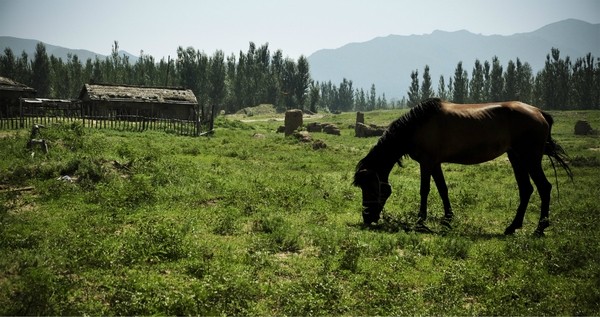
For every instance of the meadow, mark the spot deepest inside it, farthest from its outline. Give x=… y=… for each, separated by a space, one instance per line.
x=249 y=222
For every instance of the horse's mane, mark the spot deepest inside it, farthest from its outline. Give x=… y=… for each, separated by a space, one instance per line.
x=407 y=123
x=394 y=144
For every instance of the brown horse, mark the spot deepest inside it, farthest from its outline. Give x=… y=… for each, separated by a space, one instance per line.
x=436 y=132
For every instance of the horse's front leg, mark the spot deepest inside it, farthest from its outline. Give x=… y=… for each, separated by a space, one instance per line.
x=440 y=183
x=424 y=191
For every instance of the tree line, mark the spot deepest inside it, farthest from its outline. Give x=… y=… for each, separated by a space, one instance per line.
x=560 y=85
x=232 y=82
x=259 y=76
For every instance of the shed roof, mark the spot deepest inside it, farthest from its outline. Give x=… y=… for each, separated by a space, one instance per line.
x=123 y=93
x=9 y=84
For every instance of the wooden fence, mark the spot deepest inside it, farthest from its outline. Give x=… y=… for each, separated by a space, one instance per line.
x=47 y=111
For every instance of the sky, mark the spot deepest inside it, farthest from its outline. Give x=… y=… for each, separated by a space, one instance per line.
x=297 y=27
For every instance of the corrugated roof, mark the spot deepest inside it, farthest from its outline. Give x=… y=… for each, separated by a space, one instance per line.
x=122 y=93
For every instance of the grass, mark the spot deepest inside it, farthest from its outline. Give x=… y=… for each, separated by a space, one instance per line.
x=236 y=225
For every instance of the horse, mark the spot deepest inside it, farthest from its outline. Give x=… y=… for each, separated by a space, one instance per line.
x=437 y=131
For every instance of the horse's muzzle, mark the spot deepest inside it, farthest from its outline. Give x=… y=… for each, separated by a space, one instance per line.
x=371 y=215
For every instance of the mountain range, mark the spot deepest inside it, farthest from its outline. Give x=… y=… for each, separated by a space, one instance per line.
x=19 y=45
x=388 y=61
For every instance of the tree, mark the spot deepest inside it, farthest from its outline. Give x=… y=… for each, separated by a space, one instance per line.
x=414 y=96
x=313 y=95
x=41 y=71
x=496 y=81
x=8 y=64
x=442 y=93
x=510 y=82
x=477 y=84
x=524 y=82
x=584 y=83
x=302 y=81
x=60 y=80
x=487 y=82
x=360 y=100
x=345 y=98
x=192 y=69
x=216 y=79
x=555 y=77
x=461 y=84
x=288 y=83
x=426 y=90
x=450 y=91
x=372 y=97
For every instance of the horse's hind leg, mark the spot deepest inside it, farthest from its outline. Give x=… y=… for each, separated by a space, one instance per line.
x=440 y=183
x=525 y=190
x=544 y=188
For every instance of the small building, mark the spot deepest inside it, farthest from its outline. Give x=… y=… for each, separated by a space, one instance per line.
x=148 y=102
x=10 y=93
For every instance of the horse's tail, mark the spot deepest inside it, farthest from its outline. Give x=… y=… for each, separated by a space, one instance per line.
x=554 y=150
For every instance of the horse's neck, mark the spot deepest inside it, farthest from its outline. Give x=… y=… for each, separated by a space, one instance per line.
x=385 y=158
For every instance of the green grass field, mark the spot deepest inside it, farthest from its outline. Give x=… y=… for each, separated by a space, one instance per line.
x=247 y=224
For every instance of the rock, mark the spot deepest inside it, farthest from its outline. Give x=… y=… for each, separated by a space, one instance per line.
x=583 y=127
x=293 y=120
x=360 y=117
x=314 y=127
x=331 y=129
x=318 y=144
x=303 y=136
x=362 y=130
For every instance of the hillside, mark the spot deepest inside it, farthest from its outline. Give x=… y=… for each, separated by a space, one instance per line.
x=388 y=61
x=18 y=45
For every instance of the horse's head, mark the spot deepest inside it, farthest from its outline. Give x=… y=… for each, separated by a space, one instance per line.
x=374 y=193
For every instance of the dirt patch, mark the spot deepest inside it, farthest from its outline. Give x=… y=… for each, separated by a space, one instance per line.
x=7 y=134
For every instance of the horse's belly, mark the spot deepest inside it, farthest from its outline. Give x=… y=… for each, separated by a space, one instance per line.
x=476 y=154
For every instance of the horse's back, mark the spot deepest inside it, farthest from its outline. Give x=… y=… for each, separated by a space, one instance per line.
x=475 y=133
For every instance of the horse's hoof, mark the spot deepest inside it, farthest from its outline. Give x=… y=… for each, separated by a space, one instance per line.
x=509 y=231
x=447 y=223
x=422 y=228
x=538 y=233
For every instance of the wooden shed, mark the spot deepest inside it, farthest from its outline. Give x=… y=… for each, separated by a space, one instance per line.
x=10 y=93
x=148 y=102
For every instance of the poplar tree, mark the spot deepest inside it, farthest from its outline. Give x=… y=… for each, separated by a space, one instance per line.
x=585 y=83
x=413 y=91
x=496 y=81
x=302 y=81
x=510 y=82
x=8 y=63
x=477 y=83
x=442 y=93
x=216 y=79
x=524 y=82
x=40 y=68
x=461 y=84
x=372 y=98
x=556 y=76
x=426 y=90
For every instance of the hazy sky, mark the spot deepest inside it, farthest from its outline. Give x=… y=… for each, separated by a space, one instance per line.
x=296 y=27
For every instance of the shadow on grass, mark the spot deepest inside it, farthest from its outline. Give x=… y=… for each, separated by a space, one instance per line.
x=393 y=224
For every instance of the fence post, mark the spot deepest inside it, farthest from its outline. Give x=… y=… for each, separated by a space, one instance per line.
x=21 y=112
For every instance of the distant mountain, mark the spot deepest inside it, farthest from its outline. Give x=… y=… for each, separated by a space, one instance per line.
x=18 y=45
x=388 y=61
